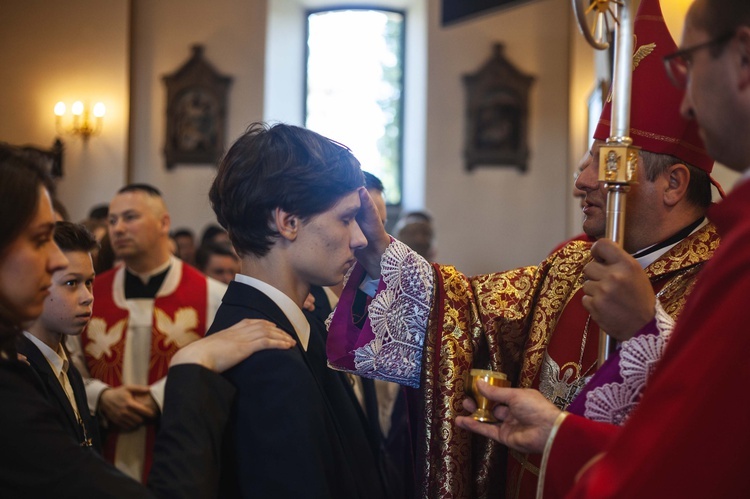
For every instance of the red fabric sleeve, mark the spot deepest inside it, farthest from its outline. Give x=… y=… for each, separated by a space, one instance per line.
x=578 y=440
x=689 y=435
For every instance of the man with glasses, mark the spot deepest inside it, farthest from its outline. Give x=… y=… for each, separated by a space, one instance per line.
x=689 y=436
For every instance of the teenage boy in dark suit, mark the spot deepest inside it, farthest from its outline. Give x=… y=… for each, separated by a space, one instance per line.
x=289 y=199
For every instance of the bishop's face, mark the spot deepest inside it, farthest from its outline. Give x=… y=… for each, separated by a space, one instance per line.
x=594 y=204
x=644 y=207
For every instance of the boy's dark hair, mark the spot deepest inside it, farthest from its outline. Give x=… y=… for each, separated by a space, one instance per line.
x=204 y=253
x=280 y=166
x=74 y=237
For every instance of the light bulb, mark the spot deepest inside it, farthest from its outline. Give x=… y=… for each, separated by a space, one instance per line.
x=60 y=109
x=77 y=108
x=99 y=110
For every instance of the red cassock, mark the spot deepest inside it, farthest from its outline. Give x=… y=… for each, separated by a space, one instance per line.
x=690 y=434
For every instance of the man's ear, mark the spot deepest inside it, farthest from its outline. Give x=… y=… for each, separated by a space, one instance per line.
x=166 y=222
x=286 y=224
x=678 y=179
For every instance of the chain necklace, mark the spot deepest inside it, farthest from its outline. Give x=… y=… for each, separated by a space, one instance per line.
x=555 y=384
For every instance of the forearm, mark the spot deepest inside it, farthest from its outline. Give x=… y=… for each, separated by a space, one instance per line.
x=388 y=344
x=371 y=257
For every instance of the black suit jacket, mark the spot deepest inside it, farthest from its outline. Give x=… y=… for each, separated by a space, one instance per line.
x=39 y=458
x=51 y=389
x=296 y=430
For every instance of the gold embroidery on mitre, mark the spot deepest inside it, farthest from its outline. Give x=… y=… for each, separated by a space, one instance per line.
x=640 y=53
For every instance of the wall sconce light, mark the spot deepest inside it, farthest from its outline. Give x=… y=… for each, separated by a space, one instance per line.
x=82 y=124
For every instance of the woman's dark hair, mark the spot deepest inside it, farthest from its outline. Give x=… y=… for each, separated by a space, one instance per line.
x=20 y=180
x=280 y=166
x=19 y=194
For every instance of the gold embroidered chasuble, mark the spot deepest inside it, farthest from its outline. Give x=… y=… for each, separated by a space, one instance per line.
x=504 y=322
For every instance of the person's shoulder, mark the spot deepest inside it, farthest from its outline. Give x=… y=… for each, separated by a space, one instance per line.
x=273 y=370
x=16 y=381
x=188 y=271
x=216 y=287
x=582 y=237
x=25 y=346
x=193 y=273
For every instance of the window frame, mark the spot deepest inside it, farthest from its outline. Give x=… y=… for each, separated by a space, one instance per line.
x=393 y=208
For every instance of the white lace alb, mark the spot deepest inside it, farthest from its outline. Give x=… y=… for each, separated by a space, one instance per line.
x=398 y=317
x=612 y=403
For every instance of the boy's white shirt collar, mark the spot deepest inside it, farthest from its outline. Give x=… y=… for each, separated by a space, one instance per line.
x=286 y=304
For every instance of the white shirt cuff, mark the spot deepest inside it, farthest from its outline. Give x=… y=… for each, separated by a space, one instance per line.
x=94 y=389
x=369 y=286
x=157 y=392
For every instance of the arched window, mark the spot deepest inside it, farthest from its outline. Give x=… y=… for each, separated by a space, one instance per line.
x=355 y=86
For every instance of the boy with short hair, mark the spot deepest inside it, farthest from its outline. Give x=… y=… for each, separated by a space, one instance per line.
x=67 y=310
x=289 y=198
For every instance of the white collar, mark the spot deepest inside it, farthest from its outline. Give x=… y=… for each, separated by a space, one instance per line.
x=286 y=304
x=58 y=361
x=650 y=258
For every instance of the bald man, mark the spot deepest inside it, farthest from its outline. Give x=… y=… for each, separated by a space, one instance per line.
x=144 y=311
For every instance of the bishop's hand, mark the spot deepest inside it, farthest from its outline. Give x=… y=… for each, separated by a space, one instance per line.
x=618 y=293
x=372 y=227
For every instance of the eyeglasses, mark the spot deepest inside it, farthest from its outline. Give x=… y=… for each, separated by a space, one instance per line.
x=678 y=63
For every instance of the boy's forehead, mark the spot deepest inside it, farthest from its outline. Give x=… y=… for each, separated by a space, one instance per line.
x=348 y=202
x=79 y=262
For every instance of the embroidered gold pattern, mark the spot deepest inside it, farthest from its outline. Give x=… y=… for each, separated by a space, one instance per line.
x=503 y=321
